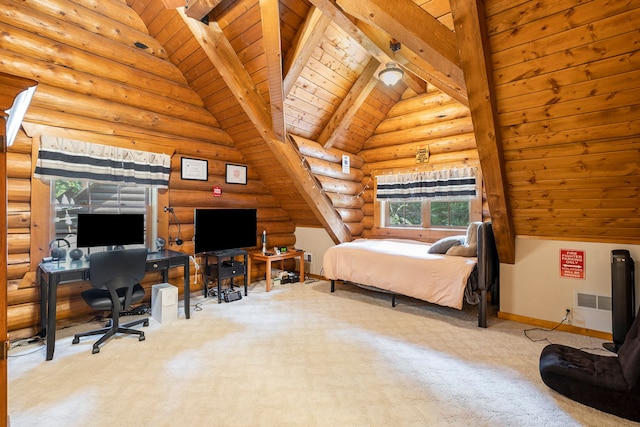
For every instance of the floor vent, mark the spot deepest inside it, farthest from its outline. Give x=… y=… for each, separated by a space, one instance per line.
x=596 y=302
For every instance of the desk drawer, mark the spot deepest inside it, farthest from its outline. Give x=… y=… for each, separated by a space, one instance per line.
x=162 y=264
x=227 y=269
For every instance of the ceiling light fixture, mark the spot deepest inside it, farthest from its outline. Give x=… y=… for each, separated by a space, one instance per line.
x=391 y=74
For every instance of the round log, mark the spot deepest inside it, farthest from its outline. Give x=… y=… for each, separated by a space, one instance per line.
x=355 y=228
x=333 y=170
x=309 y=148
x=18 y=220
x=454 y=143
x=418 y=103
x=426 y=116
x=346 y=201
x=422 y=133
x=19 y=165
x=18 y=189
x=338 y=186
x=350 y=215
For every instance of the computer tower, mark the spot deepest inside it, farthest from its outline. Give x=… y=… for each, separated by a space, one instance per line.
x=622 y=296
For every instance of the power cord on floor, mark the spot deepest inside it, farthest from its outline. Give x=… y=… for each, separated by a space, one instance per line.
x=22 y=342
x=545 y=330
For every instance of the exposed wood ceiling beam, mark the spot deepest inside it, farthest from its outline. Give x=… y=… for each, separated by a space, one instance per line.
x=198 y=9
x=306 y=41
x=350 y=104
x=270 y=11
x=221 y=54
x=172 y=4
x=380 y=51
x=431 y=46
x=469 y=21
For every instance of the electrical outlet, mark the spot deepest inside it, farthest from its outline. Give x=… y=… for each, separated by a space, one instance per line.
x=308 y=257
x=567 y=315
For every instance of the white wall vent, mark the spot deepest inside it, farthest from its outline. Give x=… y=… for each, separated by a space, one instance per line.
x=596 y=302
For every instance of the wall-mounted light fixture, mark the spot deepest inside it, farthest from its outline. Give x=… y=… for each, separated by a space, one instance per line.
x=392 y=73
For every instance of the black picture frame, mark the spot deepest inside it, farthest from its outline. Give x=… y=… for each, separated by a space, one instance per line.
x=194 y=169
x=236 y=174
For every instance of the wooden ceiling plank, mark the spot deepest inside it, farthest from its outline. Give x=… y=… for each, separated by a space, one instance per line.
x=426 y=38
x=222 y=55
x=270 y=11
x=306 y=41
x=198 y=9
x=350 y=104
x=471 y=32
x=172 y=4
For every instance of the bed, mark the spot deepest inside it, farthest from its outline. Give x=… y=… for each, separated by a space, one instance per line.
x=448 y=272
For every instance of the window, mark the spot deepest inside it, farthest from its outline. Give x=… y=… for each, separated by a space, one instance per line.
x=423 y=200
x=426 y=214
x=73 y=197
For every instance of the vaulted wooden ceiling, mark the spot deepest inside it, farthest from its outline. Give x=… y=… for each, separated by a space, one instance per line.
x=271 y=69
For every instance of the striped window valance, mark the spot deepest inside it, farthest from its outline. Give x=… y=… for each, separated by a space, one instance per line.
x=450 y=184
x=61 y=158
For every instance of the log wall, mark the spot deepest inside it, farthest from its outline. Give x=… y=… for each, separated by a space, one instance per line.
x=432 y=120
x=104 y=79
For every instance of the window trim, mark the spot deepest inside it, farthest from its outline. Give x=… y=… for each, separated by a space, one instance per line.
x=425 y=234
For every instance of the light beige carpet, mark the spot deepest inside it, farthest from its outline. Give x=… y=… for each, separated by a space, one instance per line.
x=300 y=356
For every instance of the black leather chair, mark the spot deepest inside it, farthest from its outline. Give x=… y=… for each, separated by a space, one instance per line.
x=608 y=383
x=115 y=278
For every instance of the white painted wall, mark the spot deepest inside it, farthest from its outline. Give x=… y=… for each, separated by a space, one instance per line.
x=315 y=241
x=533 y=287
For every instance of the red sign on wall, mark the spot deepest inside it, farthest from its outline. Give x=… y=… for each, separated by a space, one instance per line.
x=572 y=263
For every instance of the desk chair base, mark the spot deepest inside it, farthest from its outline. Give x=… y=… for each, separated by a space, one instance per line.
x=111 y=331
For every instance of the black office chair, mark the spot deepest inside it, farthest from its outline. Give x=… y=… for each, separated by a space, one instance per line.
x=115 y=277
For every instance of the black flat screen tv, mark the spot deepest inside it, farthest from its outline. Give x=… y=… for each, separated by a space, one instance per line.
x=224 y=229
x=110 y=230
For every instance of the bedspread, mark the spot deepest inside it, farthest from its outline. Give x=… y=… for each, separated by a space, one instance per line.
x=402 y=267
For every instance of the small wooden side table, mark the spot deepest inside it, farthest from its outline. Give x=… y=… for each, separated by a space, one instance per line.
x=268 y=259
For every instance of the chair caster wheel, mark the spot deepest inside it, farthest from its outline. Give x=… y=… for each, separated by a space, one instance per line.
x=141 y=338
x=76 y=340
x=95 y=350
x=146 y=323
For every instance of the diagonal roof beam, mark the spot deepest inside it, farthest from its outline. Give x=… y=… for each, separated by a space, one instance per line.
x=469 y=22
x=350 y=104
x=198 y=9
x=221 y=54
x=270 y=11
x=306 y=41
x=433 y=47
x=381 y=53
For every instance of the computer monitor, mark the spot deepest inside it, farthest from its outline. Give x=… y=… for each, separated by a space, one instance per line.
x=110 y=230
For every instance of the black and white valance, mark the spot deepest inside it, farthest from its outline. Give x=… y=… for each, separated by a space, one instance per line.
x=450 y=184
x=61 y=158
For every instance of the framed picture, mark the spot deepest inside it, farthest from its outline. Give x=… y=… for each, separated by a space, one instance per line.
x=194 y=169
x=236 y=174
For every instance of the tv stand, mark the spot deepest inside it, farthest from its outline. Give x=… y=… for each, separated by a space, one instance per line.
x=226 y=266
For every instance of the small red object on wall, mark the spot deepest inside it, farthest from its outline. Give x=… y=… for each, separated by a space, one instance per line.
x=217 y=191
x=572 y=263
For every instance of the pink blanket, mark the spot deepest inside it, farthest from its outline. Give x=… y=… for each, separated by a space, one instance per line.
x=401 y=266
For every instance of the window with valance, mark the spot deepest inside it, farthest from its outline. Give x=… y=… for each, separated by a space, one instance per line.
x=60 y=158
x=449 y=184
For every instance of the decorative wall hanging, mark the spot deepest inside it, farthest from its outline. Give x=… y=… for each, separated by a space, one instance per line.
x=236 y=174
x=194 y=169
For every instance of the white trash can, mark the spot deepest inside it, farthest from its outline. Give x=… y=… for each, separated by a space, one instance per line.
x=164 y=302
